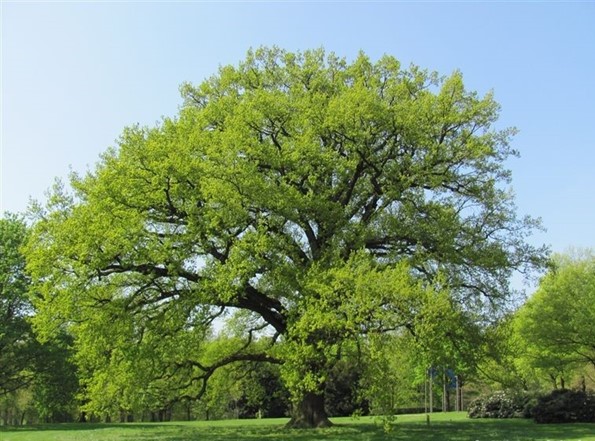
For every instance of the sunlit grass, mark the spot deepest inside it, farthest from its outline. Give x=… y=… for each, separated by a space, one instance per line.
x=443 y=427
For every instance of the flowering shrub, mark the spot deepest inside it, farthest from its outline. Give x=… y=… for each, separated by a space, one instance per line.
x=501 y=404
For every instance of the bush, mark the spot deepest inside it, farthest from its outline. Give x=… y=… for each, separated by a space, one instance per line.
x=502 y=405
x=565 y=406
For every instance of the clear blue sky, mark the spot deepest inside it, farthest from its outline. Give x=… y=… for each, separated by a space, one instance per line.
x=74 y=74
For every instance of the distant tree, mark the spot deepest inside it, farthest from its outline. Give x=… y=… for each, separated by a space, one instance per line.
x=18 y=347
x=556 y=324
x=321 y=196
x=43 y=370
x=56 y=382
x=503 y=363
x=443 y=341
x=261 y=391
x=344 y=386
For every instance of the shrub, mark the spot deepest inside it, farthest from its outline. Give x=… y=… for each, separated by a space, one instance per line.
x=502 y=404
x=565 y=406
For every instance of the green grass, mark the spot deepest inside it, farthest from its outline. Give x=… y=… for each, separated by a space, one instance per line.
x=443 y=427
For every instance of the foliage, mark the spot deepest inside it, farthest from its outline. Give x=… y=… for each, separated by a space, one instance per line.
x=442 y=338
x=504 y=363
x=265 y=394
x=17 y=344
x=322 y=197
x=388 y=374
x=244 y=390
x=343 y=388
x=547 y=342
x=17 y=408
x=565 y=406
x=56 y=383
x=555 y=325
x=502 y=404
x=37 y=380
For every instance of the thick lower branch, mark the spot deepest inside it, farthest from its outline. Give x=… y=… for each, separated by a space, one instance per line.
x=271 y=310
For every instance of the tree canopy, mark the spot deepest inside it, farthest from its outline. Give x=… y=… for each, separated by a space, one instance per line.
x=326 y=200
x=17 y=345
x=555 y=325
x=43 y=370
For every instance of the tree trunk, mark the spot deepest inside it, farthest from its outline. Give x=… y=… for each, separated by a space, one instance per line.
x=309 y=413
x=554 y=381
x=459 y=394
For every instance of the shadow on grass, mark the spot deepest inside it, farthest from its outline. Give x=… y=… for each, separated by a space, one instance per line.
x=491 y=430
x=80 y=427
x=442 y=431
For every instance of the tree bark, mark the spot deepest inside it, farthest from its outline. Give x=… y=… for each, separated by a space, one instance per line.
x=309 y=413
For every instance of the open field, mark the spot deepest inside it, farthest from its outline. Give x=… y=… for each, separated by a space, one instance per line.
x=444 y=427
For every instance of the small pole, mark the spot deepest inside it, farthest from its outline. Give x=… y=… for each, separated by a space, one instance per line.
x=426 y=393
x=444 y=392
x=426 y=385
x=431 y=394
x=462 y=402
x=457 y=395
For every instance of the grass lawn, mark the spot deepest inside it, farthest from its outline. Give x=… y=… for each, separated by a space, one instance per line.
x=443 y=427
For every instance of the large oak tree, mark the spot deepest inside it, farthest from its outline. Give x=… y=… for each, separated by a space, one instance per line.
x=326 y=199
